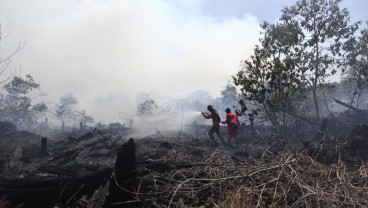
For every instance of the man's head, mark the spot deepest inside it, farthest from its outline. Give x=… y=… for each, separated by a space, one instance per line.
x=210 y=108
x=227 y=110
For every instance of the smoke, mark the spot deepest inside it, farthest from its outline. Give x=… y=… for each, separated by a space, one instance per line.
x=106 y=52
x=165 y=119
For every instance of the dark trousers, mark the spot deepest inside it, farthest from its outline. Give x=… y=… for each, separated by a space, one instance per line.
x=215 y=129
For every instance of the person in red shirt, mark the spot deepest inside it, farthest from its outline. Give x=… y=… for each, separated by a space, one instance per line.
x=232 y=123
x=215 y=123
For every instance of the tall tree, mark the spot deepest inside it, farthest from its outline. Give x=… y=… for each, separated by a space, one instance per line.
x=297 y=53
x=65 y=109
x=325 y=27
x=84 y=118
x=355 y=67
x=153 y=114
x=148 y=108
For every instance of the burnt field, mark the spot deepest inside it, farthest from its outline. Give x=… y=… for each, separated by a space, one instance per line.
x=322 y=166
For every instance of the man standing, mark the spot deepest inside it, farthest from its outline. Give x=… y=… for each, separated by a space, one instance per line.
x=215 y=123
x=232 y=126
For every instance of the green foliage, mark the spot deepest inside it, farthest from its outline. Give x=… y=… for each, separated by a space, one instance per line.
x=229 y=97
x=16 y=104
x=147 y=109
x=295 y=55
x=325 y=29
x=65 y=109
x=355 y=65
x=150 y=111
x=19 y=86
x=271 y=77
x=229 y=93
x=40 y=107
x=67 y=112
x=152 y=115
x=85 y=118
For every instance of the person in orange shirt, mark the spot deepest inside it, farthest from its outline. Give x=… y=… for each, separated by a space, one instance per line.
x=232 y=123
x=215 y=123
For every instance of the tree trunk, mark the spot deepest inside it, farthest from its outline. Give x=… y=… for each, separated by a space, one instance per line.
x=315 y=101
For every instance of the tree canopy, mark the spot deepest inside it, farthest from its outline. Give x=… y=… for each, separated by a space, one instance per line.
x=355 y=65
x=16 y=104
x=296 y=55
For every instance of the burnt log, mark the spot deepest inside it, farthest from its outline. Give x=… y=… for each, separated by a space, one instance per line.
x=67 y=156
x=350 y=107
x=108 y=153
x=48 y=193
x=86 y=136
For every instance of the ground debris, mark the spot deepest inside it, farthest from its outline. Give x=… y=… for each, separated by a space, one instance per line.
x=180 y=179
x=98 y=169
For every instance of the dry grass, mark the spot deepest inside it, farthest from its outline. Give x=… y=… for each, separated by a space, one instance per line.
x=218 y=178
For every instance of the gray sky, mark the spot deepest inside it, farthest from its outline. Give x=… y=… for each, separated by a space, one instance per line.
x=105 y=52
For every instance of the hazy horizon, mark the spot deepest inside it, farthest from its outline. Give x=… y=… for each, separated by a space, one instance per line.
x=106 y=52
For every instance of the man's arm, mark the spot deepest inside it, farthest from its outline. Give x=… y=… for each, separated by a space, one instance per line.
x=206 y=115
x=228 y=119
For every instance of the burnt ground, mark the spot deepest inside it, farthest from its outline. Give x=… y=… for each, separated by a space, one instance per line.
x=104 y=168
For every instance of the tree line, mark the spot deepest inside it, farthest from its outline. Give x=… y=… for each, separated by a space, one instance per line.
x=16 y=106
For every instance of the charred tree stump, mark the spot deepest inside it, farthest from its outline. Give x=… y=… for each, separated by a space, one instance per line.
x=123 y=181
x=351 y=107
x=44 y=146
